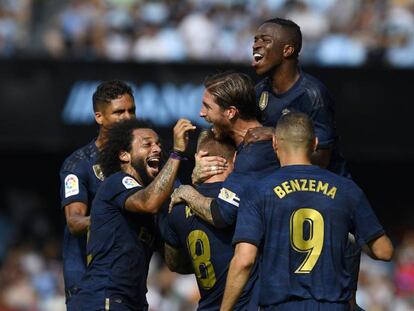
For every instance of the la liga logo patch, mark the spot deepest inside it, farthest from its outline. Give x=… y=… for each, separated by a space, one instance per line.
x=129 y=182
x=71 y=185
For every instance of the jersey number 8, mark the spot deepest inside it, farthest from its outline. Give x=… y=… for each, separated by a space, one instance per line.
x=199 y=247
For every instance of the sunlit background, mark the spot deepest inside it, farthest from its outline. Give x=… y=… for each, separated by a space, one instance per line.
x=53 y=53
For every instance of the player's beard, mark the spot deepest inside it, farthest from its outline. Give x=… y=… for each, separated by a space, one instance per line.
x=141 y=168
x=221 y=132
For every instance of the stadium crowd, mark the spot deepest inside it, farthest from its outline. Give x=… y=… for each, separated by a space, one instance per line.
x=344 y=33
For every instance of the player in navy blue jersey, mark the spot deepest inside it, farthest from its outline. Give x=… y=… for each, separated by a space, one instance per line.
x=229 y=105
x=210 y=249
x=285 y=87
x=297 y=224
x=121 y=235
x=81 y=176
x=276 y=48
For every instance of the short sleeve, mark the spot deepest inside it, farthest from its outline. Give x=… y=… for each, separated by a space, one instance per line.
x=249 y=226
x=118 y=188
x=73 y=185
x=228 y=199
x=323 y=120
x=366 y=223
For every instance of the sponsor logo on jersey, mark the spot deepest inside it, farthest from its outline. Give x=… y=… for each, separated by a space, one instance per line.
x=264 y=98
x=71 y=185
x=229 y=197
x=98 y=172
x=129 y=182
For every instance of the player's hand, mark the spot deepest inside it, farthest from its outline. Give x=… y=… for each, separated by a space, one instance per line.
x=177 y=196
x=207 y=166
x=181 y=129
x=258 y=134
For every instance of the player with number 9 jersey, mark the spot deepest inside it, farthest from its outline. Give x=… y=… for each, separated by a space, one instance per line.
x=299 y=219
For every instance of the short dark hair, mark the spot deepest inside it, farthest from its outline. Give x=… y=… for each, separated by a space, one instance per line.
x=119 y=138
x=292 y=31
x=233 y=89
x=223 y=147
x=108 y=91
x=297 y=129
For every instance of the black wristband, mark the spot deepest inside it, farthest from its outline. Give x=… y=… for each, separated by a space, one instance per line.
x=178 y=155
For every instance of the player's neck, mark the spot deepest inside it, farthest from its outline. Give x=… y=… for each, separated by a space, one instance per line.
x=100 y=141
x=241 y=127
x=284 y=77
x=286 y=159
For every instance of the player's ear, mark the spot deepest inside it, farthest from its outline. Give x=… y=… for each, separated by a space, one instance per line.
x=99 y=117
x=288 y=50
x=124 y=156
x=315 y=144
x=231 y=112
x=274 y=142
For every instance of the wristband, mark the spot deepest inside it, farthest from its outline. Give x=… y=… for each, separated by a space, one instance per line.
x=178 y=155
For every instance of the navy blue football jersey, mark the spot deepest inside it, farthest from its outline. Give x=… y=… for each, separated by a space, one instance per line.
x=80 y=178
x=210 y=249
x=119 y=249
x=300 y=217
x=310 y=96
x=253 y=161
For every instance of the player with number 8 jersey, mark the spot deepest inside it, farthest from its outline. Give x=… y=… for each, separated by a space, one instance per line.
x=209 y=248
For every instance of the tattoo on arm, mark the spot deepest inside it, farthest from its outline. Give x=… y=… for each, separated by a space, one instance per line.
x=165 y=180
x=200 y=205
x=153 y=196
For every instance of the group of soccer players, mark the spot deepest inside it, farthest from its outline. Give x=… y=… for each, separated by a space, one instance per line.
x=267 y=219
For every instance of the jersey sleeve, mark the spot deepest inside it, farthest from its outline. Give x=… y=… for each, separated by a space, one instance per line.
x=322 y=116
x=118 y=188
x=73 y=183
x=250 y=225
x=367 y=225
x=224 y=209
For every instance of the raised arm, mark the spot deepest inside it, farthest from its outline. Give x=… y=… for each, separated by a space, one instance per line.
x=150 y=199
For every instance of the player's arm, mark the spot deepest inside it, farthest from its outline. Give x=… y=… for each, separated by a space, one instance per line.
x=76 y=218
x=176 y=260
x=198 y=203
x=380 y=248
x=150 y=199
x=239 y=272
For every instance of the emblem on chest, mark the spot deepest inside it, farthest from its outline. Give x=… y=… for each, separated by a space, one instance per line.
x=98 y=172
x=264 y=99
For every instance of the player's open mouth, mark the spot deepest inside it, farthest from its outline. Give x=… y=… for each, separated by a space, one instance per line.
x=153 y=165
x=257 y=57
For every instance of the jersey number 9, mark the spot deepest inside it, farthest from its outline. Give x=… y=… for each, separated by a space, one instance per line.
x=313 y=244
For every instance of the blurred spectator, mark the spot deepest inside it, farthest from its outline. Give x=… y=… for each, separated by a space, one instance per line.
x=350 y=33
